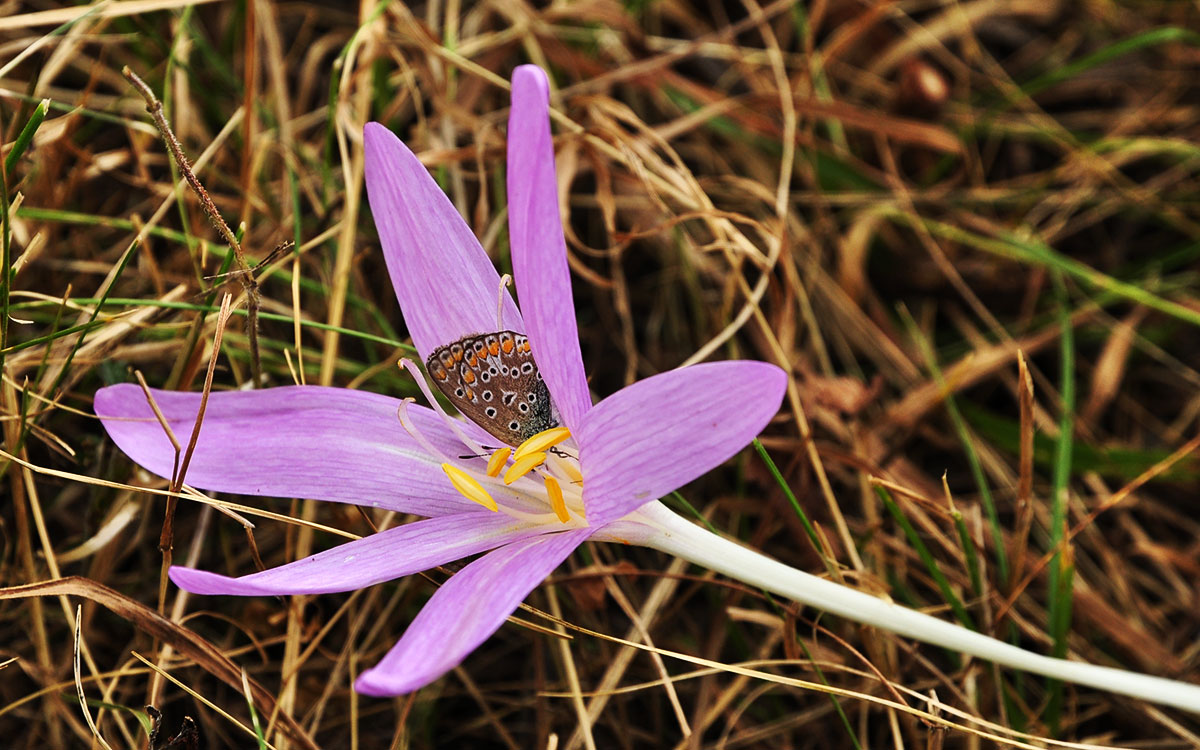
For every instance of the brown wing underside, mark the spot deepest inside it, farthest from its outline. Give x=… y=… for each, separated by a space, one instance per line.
x=493 y=381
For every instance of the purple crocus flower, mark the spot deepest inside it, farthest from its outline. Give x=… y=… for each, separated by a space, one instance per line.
x=348 y=446
x=623 y=453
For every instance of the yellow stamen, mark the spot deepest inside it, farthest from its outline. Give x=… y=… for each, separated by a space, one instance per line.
x=556 y=499
x=469 y=487
x=523 y=466
x=497 y=461
x=541 y=441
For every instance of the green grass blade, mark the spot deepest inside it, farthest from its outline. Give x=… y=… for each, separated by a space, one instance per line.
x=1060 y=573
x=122 y=264
x=206 y=309
x=1032 y=252
x=1117 y=463
x=92 y=220
x=968 y=443
x=970 y=552
x=935 y=571
x=1151 y=38
x=25 y=137
x=787 y=492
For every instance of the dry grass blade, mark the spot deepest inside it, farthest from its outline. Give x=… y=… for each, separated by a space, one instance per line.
x=190 y=645
x=158 y=670
x=83 y=706
x=772 y=181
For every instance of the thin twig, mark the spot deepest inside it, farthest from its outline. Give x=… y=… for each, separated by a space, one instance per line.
x=244 y=273
x=166 y=539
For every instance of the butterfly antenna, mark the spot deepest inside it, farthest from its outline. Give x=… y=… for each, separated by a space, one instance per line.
x=480 y=455
x=504 y=282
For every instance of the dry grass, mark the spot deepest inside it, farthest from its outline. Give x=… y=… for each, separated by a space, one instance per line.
x=969 y=231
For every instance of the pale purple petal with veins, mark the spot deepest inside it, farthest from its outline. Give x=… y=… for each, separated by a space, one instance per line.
x=539 y=253
x=446 y=285
x=465 y=611
x=661 y=433
x=298 y=441
x=392 y=553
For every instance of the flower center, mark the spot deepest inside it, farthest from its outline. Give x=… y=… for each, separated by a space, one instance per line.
x=538 y=482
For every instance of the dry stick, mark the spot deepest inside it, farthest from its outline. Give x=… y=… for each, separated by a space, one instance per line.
x=1024 y=505
x=165 y=650
x=244 y=273
x=166 y=540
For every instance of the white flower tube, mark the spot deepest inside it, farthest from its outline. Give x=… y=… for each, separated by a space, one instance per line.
x=663 y=530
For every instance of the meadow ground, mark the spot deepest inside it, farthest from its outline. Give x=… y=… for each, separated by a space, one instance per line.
x=969 y=231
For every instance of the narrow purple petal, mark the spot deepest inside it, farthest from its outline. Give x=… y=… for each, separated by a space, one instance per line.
x=539 y=252
x=300 y=441
x=465 y=611
x=661 y=433
x=445 y=282
x=379 y=557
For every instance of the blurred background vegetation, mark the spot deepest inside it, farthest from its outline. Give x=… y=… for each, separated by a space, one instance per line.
x=969 y=230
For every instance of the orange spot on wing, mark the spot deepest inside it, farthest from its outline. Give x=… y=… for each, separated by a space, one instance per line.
x=468 y=377
x=494 y=348
x=507 y=346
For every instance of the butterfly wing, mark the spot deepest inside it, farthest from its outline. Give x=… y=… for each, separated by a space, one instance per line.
x=493 y=381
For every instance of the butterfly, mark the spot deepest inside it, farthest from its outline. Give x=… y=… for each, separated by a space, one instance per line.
x=492 y=380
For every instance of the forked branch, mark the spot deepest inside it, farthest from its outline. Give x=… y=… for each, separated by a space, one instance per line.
x=242 y=271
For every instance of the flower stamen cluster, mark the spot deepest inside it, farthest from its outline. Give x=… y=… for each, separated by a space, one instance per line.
x=549 y=454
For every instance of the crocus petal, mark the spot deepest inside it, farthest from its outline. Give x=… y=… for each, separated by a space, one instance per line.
x=661 y=433
x=465 y=611
x=446 y=285
x=379 y=557
x=299 y=441
x=539 y=252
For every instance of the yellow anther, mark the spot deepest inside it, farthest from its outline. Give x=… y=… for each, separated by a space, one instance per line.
x=497 y=461
x=541 y=441
x=523 y=466
x=556 y=499
x=469 y=487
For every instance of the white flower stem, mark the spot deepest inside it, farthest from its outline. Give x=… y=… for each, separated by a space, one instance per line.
x=677 y=536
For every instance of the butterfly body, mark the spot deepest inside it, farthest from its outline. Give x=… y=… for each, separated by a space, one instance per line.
x=492 y=380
